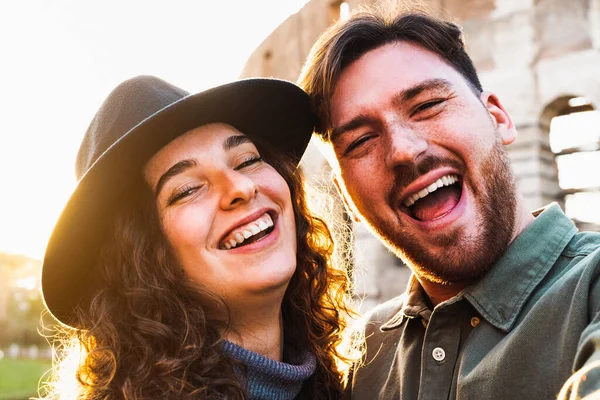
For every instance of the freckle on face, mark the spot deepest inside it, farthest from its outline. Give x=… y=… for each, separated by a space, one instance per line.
x=469 y=247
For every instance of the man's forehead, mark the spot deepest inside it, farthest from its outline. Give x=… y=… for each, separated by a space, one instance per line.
x=402 y=59
x=389 y=69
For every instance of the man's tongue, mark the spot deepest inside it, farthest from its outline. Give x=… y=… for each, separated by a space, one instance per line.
x=436 y=204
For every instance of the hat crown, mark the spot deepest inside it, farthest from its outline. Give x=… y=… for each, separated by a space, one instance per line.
x=125 y=107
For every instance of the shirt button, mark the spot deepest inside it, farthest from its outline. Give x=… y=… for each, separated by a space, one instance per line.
x=438 y=354
x=474 y=322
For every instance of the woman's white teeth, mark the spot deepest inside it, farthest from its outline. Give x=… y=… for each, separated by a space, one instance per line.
x=446 y=180
x=245 y=232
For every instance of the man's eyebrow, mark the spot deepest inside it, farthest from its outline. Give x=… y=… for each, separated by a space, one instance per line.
x=171 y=172
x=234 y=141
x=436 y=84
x=403 y=96
x=354 y=123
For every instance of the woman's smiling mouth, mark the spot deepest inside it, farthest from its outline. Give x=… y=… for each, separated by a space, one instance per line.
x=248 y=233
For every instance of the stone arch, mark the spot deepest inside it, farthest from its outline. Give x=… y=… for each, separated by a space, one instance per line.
x=571 y=147
x=560 y=106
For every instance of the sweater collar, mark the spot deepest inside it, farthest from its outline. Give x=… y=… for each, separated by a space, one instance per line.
x=271 y=379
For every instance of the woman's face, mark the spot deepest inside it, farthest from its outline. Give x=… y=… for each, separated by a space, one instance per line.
x=226 y=213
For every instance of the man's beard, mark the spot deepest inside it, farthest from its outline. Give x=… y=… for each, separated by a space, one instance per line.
x=467 y=258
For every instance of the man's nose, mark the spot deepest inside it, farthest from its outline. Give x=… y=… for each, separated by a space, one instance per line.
x=403 y=146
x=237 y=189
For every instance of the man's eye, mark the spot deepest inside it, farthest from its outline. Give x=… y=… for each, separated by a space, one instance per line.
x=248 y=162
x=182 y=193
x=358 y=142
x=427 y=105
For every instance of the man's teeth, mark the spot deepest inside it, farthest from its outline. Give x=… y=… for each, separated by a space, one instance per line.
x=446 y=180
x=245 y=232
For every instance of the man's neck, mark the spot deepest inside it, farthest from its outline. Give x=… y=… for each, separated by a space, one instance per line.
x=523 y=218
x=438 y=292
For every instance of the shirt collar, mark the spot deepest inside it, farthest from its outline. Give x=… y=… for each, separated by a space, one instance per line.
x=500 y=295
x=415 y=305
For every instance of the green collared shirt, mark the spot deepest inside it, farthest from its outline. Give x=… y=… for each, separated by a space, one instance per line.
x=518 y=333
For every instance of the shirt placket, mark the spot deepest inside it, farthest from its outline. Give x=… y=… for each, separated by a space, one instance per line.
x=440 y=352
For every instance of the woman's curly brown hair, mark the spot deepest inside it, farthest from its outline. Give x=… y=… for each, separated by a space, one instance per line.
x=152 y=333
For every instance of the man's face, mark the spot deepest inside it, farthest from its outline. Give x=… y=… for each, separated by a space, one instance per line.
x=421 y=159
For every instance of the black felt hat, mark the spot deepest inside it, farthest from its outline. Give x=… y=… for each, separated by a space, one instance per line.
x=137 y=119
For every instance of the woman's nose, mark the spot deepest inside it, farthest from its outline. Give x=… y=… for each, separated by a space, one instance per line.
x=237 y=189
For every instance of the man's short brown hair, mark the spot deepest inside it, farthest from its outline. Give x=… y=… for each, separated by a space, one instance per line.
x=346 y=41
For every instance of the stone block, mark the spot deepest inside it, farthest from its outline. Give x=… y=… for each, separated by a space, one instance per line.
x=534 y=186
x=518 y=154
x=594 y=20
x=469 y=9
x=479 y=42
x=534 y=202
x=562 y=26
x=379 y=274
x=314 y=165
x=514 y=40
x=526 y=134
x=367 y=254
x=505 y=8
x=574 y=74
x=515 y=88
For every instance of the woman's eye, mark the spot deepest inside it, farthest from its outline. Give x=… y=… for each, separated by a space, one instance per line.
x=182 y=193
x=248 y=162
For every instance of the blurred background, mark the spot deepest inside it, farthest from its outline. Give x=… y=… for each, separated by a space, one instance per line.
x=60 y=59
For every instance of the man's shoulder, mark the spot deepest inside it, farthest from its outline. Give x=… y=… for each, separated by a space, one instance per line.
x=583 y=244
x=582 y=255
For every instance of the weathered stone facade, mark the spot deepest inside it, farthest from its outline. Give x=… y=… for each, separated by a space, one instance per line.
x=534 y=54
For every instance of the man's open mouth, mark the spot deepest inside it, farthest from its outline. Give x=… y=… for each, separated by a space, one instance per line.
x=248 y=233
x=435 y=201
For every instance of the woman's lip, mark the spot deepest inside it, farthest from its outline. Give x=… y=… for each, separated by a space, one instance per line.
x=246 y=220
x=260 y=244
x=424 y=181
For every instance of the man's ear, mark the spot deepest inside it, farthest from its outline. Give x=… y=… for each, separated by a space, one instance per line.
x=353 y=214
x=501 y=117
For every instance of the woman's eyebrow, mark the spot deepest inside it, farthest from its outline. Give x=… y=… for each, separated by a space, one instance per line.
x=171 y=172
x=234 y=141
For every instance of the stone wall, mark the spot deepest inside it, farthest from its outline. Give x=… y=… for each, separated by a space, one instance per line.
x=530 y=53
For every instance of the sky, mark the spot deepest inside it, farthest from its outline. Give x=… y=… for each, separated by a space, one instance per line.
x=61 y=58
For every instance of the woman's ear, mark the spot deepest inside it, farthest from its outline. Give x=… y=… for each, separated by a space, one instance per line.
x=501 y=118
x=351 y=211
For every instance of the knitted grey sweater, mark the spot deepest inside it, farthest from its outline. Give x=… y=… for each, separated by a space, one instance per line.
x=270 y=379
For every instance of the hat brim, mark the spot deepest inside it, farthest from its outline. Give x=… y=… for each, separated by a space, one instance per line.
x=274 y=111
